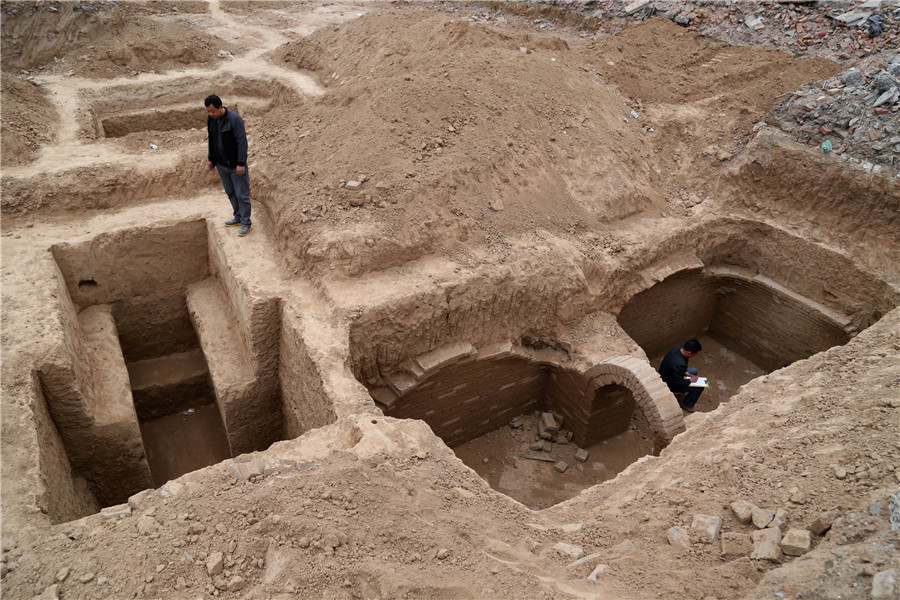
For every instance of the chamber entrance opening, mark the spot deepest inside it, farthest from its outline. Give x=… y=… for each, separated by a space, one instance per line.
x=488 y=406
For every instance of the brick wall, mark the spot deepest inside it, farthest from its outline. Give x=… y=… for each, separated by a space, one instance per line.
x=770 y=327
x=750 y=314
x=674 y=310
x=472 y=397
x=463 y=393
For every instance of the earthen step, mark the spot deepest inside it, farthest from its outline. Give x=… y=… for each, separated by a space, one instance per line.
x=168 y=384
x=112 y=401
x=226 y=356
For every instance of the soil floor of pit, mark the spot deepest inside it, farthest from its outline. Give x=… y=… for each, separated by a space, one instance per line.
x=184 y=441
x=500 y=458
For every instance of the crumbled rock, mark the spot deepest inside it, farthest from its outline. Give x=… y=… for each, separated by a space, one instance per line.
x=62 y=574
x=581 y=455
x=147 y=525
x=707 y=526
x=568 y=550
x=884 y=584
x=762 y=517
x=743 y=510
x=215 y=563
x=678 y=537
x=823 y=522
x=766 y=550
x=49 y=593
x=770 y=534
x=882 y=82
x=236 y=583
x=561 y=466
x=796 y=542
x=598 y=570
x=852 y=77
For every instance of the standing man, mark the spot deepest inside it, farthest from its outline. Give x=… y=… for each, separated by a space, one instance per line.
x=674 y=369
x=228 y=154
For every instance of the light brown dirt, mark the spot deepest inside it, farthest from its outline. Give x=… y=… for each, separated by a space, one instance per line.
x=445 y=114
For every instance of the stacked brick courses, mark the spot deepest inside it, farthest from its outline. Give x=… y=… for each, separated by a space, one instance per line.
x=750 y=314
x=472 y=393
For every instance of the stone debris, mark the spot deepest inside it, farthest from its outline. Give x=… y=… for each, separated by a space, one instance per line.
x=569 y=550
x=561 y=466
x=584 y=560
x=707 y=526
x=62 y=574
x=884 y=584
x=215 y=564
x=147 y=525
x=236 y=583
x=537 y=446
x=598 y=570
x=353 y=185
x=572 y=528
x=49 y=593
x=743 y=510
x=119 y=510
x=762 y=517
x=621 y=550
x=823 y=522
x=766 y=550
x=581 y=455
x=548 y=423
x=858 y=112
x=769 y=534
x=796 y=542
x=736 y=543
x=678 y=537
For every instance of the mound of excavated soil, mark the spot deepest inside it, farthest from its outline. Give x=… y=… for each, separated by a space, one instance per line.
x=444 y=121
x=27 y=120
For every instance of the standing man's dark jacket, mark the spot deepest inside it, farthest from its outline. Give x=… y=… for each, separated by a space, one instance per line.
x=672 y=370
x=227 y=140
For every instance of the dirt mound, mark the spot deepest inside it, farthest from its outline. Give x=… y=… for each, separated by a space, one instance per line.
x=449 y=120
x=28 y=118
x=95 y=39
x=470 y=118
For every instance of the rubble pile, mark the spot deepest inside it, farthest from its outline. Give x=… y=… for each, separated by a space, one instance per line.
x=854 y=113
x=851 y=33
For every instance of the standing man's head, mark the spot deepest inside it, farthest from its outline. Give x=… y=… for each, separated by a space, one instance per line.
x=691 y=347
x=214 y=106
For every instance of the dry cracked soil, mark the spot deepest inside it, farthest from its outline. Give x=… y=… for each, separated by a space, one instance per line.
x=429 y=371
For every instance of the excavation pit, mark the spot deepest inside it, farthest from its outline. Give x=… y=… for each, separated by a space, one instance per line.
x=151 y=384
x=758 y=299
x=177 y=105
x=485 y=404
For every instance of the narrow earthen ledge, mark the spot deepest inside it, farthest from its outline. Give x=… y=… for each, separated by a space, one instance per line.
x=250 y=413
x=166 y=384
x=111 y=451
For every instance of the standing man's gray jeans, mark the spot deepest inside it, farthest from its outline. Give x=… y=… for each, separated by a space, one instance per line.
x=238 y=189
